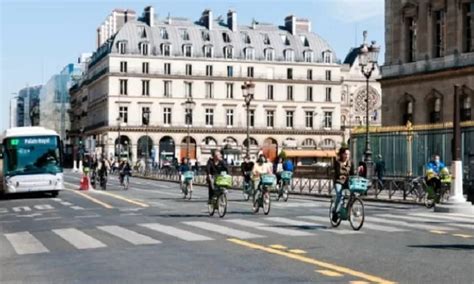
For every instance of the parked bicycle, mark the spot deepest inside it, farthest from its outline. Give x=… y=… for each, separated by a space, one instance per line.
x=219 y=201
x=186 y=186
x=284 y=185
x=262 y=195
x=353 y=209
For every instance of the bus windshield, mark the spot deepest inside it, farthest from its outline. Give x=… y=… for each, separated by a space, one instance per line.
x=32 y=155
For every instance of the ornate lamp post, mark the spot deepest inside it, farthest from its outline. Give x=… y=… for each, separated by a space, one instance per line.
x=368 y=60
x=119 y=122
x=189 y=104
x=146 y=122
x=248 y=90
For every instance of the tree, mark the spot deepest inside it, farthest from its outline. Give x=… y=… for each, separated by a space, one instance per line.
x=282 y=155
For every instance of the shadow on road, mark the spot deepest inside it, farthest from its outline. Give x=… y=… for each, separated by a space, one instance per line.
x=447 y=246
x=34 y=195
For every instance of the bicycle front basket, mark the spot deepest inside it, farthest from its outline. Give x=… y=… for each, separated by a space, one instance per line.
x=268 y=179
x=358 y=184
x=286 y=175
x=188 y=175
x=224 y=181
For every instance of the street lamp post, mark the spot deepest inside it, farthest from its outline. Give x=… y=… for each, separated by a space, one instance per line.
x=189 y=104
x=146 y=122
x=248 y=89
x=119 y=122
x=368 y=60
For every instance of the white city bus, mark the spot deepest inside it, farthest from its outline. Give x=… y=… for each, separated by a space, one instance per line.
x=32 y=161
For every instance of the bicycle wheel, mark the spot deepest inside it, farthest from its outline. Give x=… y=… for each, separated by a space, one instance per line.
x=266 y=203
x=331 y=210
x=190 y=192
x=256 y=203
x=429 y=201
x=222 y=205
x=211 y=208
x=356 y=213
x=286 y=192
x=245 y=193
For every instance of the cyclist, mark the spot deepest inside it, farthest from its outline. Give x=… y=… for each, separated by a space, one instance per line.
x=288 y=165
x=125 y=171
x=246 y=168
x=184 y=167
x=434 y=169
x=343 y=168
x=103 y=169
x=259 y=169
x=278 y=169
x=215 y=166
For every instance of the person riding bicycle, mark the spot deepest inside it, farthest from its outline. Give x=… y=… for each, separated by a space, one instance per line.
x=246 y=167
x=259 y=169
x=184 y=167
x=435 y=171
x=215 y=166
x=343 y=169
x=278 y=169
x=103 y=170
x=125 y=170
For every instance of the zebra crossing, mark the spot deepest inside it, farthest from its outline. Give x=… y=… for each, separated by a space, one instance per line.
x=28 y=243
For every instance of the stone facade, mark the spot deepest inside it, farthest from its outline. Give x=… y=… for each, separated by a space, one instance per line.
x=429 y=49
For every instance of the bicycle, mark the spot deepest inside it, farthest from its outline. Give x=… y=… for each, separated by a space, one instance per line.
x=186 y=184
x=417 y=188
x=124 y=181
x=284 y=185
x=433 y=197
x=263 y=194
x=354 y=209
x=219 y=200
x=247 y=189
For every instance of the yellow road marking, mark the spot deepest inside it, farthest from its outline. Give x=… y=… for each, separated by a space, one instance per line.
x=329 y=273
x=278 y=247
x=108 y=206
x=313 y=261
x=297 y=251
x=438 y=232
x=123 y=198
x=358 y=282
x=462 y=236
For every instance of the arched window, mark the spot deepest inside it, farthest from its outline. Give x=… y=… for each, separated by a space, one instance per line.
x=289 y=54
x=328 y=144
x=249 y=53
x=269 y=54
x=143 y=48
x=208 y=51
x=309 y=143
x=308 y=56
x=166 y=49
x=187 y=50
x=327 y=56
x=228 y=52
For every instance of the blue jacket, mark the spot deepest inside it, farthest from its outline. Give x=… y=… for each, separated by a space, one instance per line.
x=288 y=166
x=434 y=167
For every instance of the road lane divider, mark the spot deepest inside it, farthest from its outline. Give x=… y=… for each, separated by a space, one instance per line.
x=462 y=236
x=116 y=196
x=87 y=196
x=309 y=260
x=329 y=273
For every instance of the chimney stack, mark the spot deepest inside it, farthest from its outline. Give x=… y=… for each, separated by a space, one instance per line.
x=232 y=20
x=290 y=24
x=295 y=25
x=149 y=15
x=206 y=19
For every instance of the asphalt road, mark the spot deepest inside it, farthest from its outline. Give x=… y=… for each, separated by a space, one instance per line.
x=149 y=234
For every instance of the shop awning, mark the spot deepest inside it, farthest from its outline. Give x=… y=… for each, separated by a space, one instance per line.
x=310 y=153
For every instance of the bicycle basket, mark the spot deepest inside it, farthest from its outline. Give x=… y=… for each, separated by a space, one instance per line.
x=358 y=184
x=268 y=179
x=224 y=181
x=188 y=175
x=286 y=175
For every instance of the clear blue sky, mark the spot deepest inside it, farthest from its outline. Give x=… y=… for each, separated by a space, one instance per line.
x=38 y=38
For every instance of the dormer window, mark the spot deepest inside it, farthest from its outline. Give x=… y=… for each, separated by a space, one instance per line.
x=122 y=47
x=141 y=32
x=289 y=54
x=285 y=39
x=249 y=53
x=166 y=49
x=308 y=56
x=245 y=38
x=163 y=33
x=327 y=56
x=266 y=39
x=143 y=48
x=304 y=40
x=188 y=50
x=208 y=51
x=226 y=37
x=184 y=34
x=269 y=54
x=205 y=35
x=228 y=52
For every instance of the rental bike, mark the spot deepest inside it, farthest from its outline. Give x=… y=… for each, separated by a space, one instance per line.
x=219 y=200
x=247 y=187
x=186 y=186
x=353 y=209
x=262 y=195
x=284 y=185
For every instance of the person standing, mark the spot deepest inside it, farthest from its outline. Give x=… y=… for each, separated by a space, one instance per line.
x=380 y=170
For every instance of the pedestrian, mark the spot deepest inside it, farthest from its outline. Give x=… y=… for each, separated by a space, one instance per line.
x=380 y=170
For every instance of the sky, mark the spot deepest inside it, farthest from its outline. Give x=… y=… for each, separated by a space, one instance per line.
x=38 y=38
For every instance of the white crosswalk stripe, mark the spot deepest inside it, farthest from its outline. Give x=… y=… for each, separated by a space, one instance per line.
x=223 y=230
x=409 y=225
x=268 y=228
x=175 y=232
x=337 y=231
x=450 y=217
x=25 y=243
x=431 y=219
x=78 y=239
x=366 y=225
x=128 y=235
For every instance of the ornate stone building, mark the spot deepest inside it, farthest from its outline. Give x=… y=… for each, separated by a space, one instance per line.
x=429 y=49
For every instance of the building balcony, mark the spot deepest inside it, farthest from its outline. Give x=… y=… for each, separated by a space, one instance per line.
x=427 y=66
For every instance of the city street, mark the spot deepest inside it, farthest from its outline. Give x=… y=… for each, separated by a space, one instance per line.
x=150 y=234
